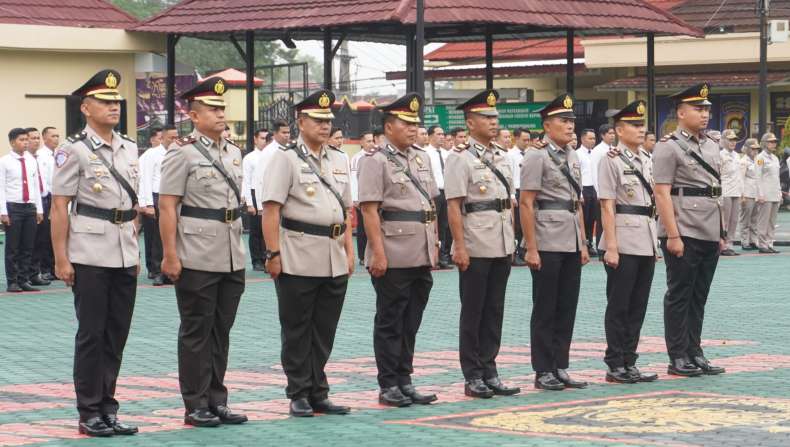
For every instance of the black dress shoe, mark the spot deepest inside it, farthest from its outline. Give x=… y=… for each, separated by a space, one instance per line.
x=708 y=369
x=478 y=388
x=227 y=416
x=592 y=251
x=441 y=265
x=683 y=367
x=393 y=397
x=619 y=375
x=257 y=266
x=420 y=399
x=95 y=427
x=152 y=275
x=13 y=288
x=518 y=261
x=37 y=280
x=326 y=406
x=202 y=417
x=500 y=389
x=119 y=428
x=48 y=276
x=162 y=280
x=27 y=287
x=300 y=408
x=729 y=252
x=639 y=376
x=548 y=381
x=563 y=377
x=765 y=251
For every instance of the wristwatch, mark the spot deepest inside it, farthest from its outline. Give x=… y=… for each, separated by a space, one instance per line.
x=269 y=255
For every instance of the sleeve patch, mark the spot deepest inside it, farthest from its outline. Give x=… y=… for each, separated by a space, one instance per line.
x=61 y=157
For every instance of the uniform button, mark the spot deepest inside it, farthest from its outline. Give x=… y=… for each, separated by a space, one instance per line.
x=400 y=230
x=90 y=228
x=200 y=230
x=422 y=202
x=120 y=226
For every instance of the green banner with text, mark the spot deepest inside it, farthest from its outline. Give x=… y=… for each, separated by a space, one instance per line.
x=511 y=116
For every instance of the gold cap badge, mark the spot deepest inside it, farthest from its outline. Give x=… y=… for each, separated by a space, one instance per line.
x=640 y=109
x=111 y=81
x=491 y=99
x=323 y=101
x=704 y=91
x=567 y=102
x=219 y=87
x=414 y=105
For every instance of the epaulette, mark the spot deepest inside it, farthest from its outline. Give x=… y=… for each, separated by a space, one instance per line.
x=127 y=138
x=334 y=148
x=79 y=136
x=291 y=145
x=713 y=136
x=540 y=144
x=231 y=142
x=496 y=146
x=461 y=147
x=665 y=138
x=185 y=140
x=414 y=146
x=613 y=152
x=374 y=151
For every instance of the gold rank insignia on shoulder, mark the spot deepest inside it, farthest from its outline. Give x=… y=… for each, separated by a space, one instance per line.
x=418 y=160
x=236 y=162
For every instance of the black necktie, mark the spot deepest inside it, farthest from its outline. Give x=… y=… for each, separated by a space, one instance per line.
x=441 y=159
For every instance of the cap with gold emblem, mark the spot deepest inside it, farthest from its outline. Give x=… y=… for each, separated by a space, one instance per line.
x=768 y=137
x=317 y=105
x=406 y=108
x=633 y=113
x=729 y=134
x=103 y=85
x=483 y=103
x=562 y=107
x=208 y=92
x=696 y=95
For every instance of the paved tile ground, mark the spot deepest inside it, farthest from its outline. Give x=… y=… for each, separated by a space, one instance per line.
x=746 y=331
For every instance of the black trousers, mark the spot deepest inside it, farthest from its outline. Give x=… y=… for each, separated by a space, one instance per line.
x=555 y=294
x=688 y=283
x=482 y=288
x=517 y=230
x=104 y=302
x=43 y=258
x=443 y=225
x=153 y=240
x=207 y=304
x=256 y=243
x=362 y=237
x=309 y=310
x=20 y=238
x=627 y=292
x=592 y=211
x=401 y=297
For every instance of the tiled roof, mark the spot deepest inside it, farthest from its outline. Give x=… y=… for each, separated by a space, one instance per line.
x=236 y=78
x=76 y=13
x=676 y=81
x=522 y=50
x=733 y=15
x=476 y=73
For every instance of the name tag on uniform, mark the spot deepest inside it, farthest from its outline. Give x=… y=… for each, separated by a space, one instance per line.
x=423 y=168
x=205 y=164
x=480 y=166
x=96 y=162
x=629 y=172
x=339 y=171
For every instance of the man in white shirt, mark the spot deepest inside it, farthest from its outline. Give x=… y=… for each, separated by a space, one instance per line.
x=367 y=145
x=732 y=188
x=649 y=144
x=153 y=250
x=504 y=138
x=606 y=132
x=434 y=148
x=50 y=138
x=248 y=192
x=43 y=262
x=590 y=206
x=521 y=138
x=153 y=179
x=20 y=210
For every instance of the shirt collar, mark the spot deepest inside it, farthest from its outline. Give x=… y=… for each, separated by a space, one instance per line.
x=209 y=143
x=478 y=146
x=555 y=146
x=300 y=144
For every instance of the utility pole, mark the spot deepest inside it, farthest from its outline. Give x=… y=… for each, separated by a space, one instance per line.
x=762 y=6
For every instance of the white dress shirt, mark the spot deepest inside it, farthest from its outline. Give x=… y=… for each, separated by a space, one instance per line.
x=355 y=174
x=731 y=179
x=248 y=168
x=516 y=156
x=11 y=181
x=259 y=170
x=585 y=160
x=46 y=166
x=437 y=164
x=598 y=152
x=150 y=174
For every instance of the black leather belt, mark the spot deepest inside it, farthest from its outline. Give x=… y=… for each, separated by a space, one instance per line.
x=226 y=215
x=708 y=191
x=566 y=205
x=334 y=231
x=114 y=215
x=496 y=205
x=424 y=216
x=649 y=211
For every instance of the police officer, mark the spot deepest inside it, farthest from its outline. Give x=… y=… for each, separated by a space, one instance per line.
x=397 y=191
x=732 y=187
x=95 y=247
x=480 y=198
x=625 y=189
x=749 y=208
x=686 y=166
x=306 y=225
x=200 y=210
x=769 y=193
x=553 y=226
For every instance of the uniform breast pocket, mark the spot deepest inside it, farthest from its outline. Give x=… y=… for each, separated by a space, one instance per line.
x=397 y=229
x=80 y=224
x=340 y=177
x=308 y=183
x=204 y=175
x=238 y=173
x=425 y=176
x=625 y=220
x=199 y=231
x=479 y=177
x=399 y=182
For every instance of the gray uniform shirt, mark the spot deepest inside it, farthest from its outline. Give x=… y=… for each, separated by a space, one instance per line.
x=556 y=230
x=636 y=235
x=749 y=174
x=487 y=234
x=79 y=173
x=205 y=244
x=406 y=244
x=696 y=217
x=291 y=183
x=767 y=173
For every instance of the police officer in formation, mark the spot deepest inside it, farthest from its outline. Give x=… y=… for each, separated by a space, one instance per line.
x=732 y=188
x=200 y=223
x=480 y=198
x=625 y=189
x=553 y=226
x=396 y=193
x=769 y=193
x=306 y=226
x=95 y=247
x=749 y=212
x=686 y=170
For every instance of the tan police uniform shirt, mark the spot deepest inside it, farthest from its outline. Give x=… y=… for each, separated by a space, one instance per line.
x=555 y=230
x=696 y=217
x=767 y=173
x=636 y=235
x=487 y=234
x=731 y=179
x=406 y=244
x=749 y=176
x=205 y=244
x=290 y=182
x=80 y=174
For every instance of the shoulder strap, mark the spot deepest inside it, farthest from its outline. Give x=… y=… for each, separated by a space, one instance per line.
x=117 y=175
x=685 y=147
x=218 y=166
x=303 y=156
x=491 y=166
x=389 y=152
x=564 y=169
x=639 y=175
